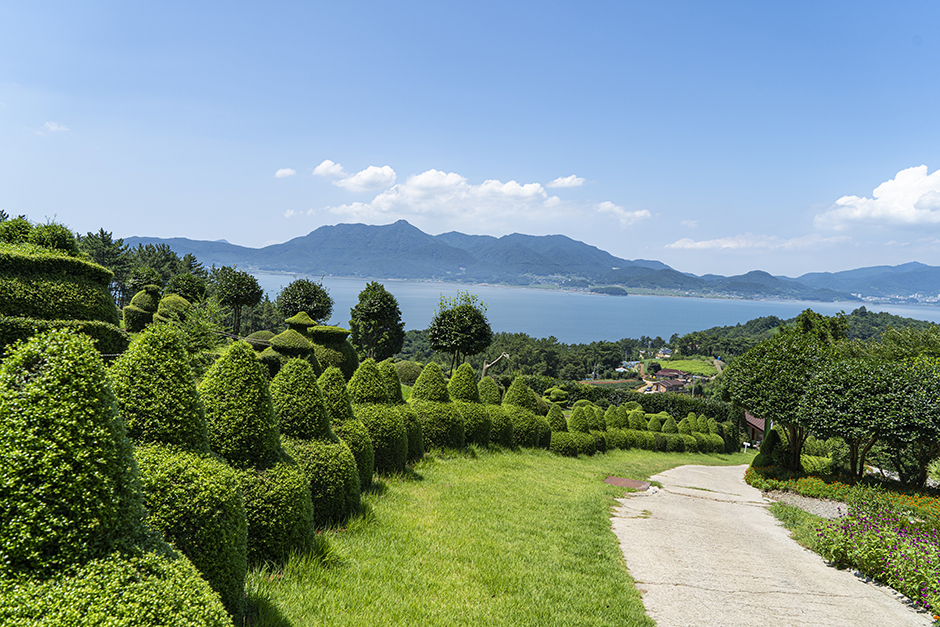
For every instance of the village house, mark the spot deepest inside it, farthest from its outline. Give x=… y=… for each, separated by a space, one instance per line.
x=666 y=386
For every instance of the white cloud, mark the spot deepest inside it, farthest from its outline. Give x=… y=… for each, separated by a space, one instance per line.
x=689 y=223
x=567 y=181
x=54 y=127
x=373 y=177
x=290 y=213
x=911 y=197
x=626 y=217
x=765 y=242
x=284 y=172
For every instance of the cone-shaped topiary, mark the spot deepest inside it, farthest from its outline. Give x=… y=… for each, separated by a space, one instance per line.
x=301 y=323
x=596 y=419
x=670 y=426
x=194 y=499
x=578 y=421
x=408 y=414
x=611 y=417
x=638 y=420
x=156 y=393
x=171 y=307
x=702 y=424
x=73 y=545
x=463 y=385
x=692 y=422
x=392 y=382
x=684 y=426
x=520 y=395
x=653 y=424
x=346 y=425
x=556 y=419
x=442 y=424
x=333 y=349
x=260 y=340
x=466 y=396
x=502 y=431
x=489 y=391
x=528 y=428
x=713 y=427
x=326 y=461
x=242 y=428
x=563 y=444
x=386 y=427
x=70 y=487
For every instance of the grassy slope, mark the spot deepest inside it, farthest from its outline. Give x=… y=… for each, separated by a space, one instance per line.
x=515 y=538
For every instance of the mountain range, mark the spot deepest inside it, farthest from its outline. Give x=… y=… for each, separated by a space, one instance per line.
x=402 y=251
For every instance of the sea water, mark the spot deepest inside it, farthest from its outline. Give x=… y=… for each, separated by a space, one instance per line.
x=579 y=317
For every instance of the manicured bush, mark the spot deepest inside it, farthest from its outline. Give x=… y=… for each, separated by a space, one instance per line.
x=542 y=405
x=442 y=424
x=633 y=438
x=290 y=343
x=415 y=431
x=701 y=442
x=617 y=438
x=70 y=491
x=583 y=402
x=408 y=371
x=243 y=430
x=463 y=385
x=431 y=385
x=596 y=419
x=692 y=421
x=661 y=442
x=610 y=416
x=528 y=428
x=489 y=391
x=147 y=299
x=300 y=322
x=171 y=307
x=370 y=405
x=556 y=419
x=715 y=443
x=578 y=420
x=260 y=340
x=298 y=404
x=702 y=424
x=346 y=425
x=631 y=405
x=638 y=420
x=54 y=236
x=477 y=422
x=195 y=501
x=520 y=395
x=555 y=395
x=600 y=441
x=713 y=427
x=584 y=442
x=120 y=590
x=392 y=382
x=674 y=442
x=108 y=338
x=619 y=419
x=562 y=443
x=502 y=431
x=156 y=393
x=653 y=423
x=691 y=443
x=646 y=440
x=685 y=426
x=333 y=349
x=15 y=231
x=670 y=426
x=331 y=473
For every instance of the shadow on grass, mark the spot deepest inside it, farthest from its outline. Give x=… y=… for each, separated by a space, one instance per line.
x=261 y=612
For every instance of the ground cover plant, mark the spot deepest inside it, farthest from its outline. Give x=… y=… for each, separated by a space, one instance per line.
x=495 y=538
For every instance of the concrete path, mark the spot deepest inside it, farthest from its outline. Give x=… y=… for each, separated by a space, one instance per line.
x=704 y=551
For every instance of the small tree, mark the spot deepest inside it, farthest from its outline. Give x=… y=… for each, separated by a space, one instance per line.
x=375 y=322
x=460 y=327
x=305 y=295
x=236 y=289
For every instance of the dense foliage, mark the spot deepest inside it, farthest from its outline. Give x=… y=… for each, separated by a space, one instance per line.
x=305 y=295
x=375 y=322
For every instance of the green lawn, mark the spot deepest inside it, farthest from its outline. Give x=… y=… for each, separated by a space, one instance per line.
x=479 y=538
x=692 y=366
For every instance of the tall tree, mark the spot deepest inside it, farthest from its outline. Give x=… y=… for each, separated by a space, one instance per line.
x=460 y=327
x=305 y=295
x=236 y=289
x=113 y=254
x=375 y=322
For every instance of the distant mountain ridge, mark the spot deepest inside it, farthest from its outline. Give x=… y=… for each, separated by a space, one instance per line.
x=402 y=251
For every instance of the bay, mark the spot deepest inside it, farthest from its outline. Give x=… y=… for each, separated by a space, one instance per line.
x=578 y=317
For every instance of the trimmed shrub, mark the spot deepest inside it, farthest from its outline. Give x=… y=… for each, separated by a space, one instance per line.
x=54 y=236
x=584 y=442
x=260 y=340
x=415 y=431
x=442 y=424
x=392 y=382
x=670 y=426
x=555 y=395
x=15 y=231
x=489 y=391
x=346 y=425
x=619 y=419
x=147 y=299
x=279 y=511
x=171 y=307
x=476 y=420
x=528 y=428
x=239 y=413
x=610 y=416
x=333 y=349
x=156 y=394
x=600 y=441
x=331 y=473
x=617 y=438
x=674 y=442
x=701 y=442
x=408 y=371
x=367 y=385
x=691 y=443
x=431 y=385
x=520 y=395
x=271 y=360
x=713 y=427
x=298 y=404
x=578 y=421
x=135 y=319
x=195 y=501
x=290 y=343
x=646 y=440
x=108 y=338
x=543 y=405
x=135 y=590
x=685 y=426
x=556 y=419
x=70 y=488
x=583 y=402
x=660 y=440
x=595 y=418
x=633 y=438
x=692 y=421
x=715 y=443
x=300 y=322
x=638 y=420
x=631 y=405
x=562 y=443
x=502 y=431
x=702 y=424
x=370 y=405
x=653 y=424
x=463 y=385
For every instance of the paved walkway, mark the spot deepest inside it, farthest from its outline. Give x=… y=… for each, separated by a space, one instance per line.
x=704 y=551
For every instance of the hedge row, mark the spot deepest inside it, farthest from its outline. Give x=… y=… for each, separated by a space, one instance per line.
x=108 y=339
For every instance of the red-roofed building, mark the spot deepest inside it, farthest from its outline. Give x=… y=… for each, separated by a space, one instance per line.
x=754 y=427
x=665 y=374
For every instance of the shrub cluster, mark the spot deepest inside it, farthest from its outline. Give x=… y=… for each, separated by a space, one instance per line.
x=442 y=424
x=333 y=349
x=346 y=425
x=528 y=428
x=408 y=415
x=139 y=313
x=367 y=392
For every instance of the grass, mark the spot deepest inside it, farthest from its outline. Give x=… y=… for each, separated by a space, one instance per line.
x=692 y=366
x=801 y=524
x=475 y=538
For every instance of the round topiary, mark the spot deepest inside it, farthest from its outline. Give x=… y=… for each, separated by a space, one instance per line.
x=653 y=424
x=260 y=340
x=271 y=360
x=156 y=393
x=556 y=419
x=578 y=421
x=147 y=299
x=279 y=511
x=239 y=413
x=670 y=426
x=562 y=443
x=333 y=349
x=172 y=307
x=298 y=404
x=195 y=501
x=345 y=424
x=70 y=491
x=119 y=590
x=489 y=391
x=520 y=395
x=408 y=371
x=701 y=442
x=691 y=444
x=702 y=424
x=502 y=431
x=583 y=402
x=369 y=399
x=331 y=472
x=638 y=420
x=135 y=319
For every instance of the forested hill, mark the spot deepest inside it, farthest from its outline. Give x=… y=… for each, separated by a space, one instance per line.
x=402 y=251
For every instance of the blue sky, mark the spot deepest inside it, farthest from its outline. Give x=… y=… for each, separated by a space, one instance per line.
x=715 y=137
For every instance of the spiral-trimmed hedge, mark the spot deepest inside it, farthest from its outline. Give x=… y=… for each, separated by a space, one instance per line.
x=196 y=502
x=331 y=473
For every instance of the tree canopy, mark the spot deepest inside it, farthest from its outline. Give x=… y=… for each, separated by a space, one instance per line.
x=460 y=327
x=375 y=321
x=305 y=295
x=236 y=289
